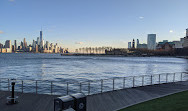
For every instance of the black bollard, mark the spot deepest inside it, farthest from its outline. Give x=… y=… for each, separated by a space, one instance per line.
x=12 y=100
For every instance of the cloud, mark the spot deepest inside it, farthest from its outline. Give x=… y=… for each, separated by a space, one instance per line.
x=78 y=42
x=171 y=31
x=1 y=32
x=141 y=17
x=11 y=0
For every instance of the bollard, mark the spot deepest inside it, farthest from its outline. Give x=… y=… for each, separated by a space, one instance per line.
x=12 y=99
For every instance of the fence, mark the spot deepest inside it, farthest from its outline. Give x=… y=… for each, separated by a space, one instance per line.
x=92 y=86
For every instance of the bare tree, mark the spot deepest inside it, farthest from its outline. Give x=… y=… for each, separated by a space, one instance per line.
x=96 y=50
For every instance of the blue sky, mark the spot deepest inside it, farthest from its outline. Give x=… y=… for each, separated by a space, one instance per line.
x=92 y=22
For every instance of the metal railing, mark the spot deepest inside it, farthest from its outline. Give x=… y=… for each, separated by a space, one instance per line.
x=92 y=86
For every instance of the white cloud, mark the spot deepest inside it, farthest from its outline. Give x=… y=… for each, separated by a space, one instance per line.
x=184 y=32
x=78 y=42
x=171 y=31
x=1 y=31
x=11 y=0
x=141 y=17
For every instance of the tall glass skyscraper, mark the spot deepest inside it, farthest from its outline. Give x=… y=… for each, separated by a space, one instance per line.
x=41 y=39
x=15 y=44
x=186 y=32
x=151 y=42
x=38 y=41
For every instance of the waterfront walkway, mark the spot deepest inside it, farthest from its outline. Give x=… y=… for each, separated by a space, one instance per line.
x=108 y=101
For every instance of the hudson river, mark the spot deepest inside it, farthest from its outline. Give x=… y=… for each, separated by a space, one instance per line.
x=54 y=67
x=80 y=68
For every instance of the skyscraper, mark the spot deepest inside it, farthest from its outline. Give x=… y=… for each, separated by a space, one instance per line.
x=8 y=44
x=41 y=39
x=187 y=32
x=15 y=45
x=129 y=45
x=38 y=41
x=133 y=46
x=47 y=45
x=151 y=41
x=34 y=44
x=25 y=43
x=137 y=43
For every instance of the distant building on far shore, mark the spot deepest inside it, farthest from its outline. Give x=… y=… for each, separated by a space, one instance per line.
x=185 y=42
x=137 y=43
x=142 y=46
x=178 y=44
x=129 y=45
x=133 y=45
x=151 y=41
x=165 y=46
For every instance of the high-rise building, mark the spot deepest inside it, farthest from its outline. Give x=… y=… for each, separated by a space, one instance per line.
x=41 y=39
x=187 y=32
x=38 y=41
x=8 y=44
x=137 y=43
x=133 y=45
x=47 y=45
x=42 y=43
x=151 y=41
x=15 y=45
x=34 y=44
x=129 y=45
x=36 y=48
x=21 y=44
x=1 y=45
x=25 y=43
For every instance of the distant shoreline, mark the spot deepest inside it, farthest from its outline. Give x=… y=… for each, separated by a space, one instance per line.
x=98 y=55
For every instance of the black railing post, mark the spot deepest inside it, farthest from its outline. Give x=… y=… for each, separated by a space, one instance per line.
x=113 y=84
x=88 y=88
x=67 y=88
x=22 y=86
x=101 y=85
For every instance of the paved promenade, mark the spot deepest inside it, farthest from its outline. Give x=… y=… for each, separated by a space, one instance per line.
x=108 y=101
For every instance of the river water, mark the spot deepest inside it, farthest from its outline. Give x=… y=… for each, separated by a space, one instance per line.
x=54 y=67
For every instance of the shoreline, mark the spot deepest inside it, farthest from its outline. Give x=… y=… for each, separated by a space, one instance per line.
x=100 y=55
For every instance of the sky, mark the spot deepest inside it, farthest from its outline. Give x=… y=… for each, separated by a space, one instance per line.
x=92 y=23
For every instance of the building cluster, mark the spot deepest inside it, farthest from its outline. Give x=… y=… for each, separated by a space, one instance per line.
x=165 y=45
x=38 y=46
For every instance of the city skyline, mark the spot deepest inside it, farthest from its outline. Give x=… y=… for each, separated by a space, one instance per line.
x=93 y=23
